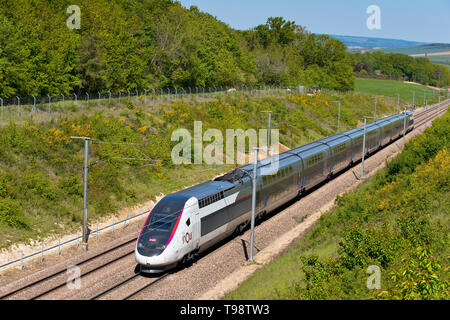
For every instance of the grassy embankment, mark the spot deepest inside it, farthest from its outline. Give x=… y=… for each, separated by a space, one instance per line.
x=398 y=220
x=41 y=177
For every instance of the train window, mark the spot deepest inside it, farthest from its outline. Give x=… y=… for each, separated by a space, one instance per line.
x=188 y=222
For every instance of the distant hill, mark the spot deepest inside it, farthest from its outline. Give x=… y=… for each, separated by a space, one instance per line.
x=436 y=52
x=355 y=43
x=421 y=49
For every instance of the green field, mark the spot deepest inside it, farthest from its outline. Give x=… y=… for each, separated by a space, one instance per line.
x=390 y=88
x=393 y=221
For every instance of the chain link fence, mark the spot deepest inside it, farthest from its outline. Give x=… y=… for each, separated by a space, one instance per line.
x=19 y=107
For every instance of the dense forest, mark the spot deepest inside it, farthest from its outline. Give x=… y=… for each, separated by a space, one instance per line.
x=137 y=44
x=399 y=66
x=145 y=44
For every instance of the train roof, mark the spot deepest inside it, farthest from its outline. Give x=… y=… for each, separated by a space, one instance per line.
x=304 y=151
x=205 y=189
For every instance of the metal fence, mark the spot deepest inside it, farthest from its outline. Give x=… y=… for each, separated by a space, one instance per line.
x=18 y=107
x=76 y=241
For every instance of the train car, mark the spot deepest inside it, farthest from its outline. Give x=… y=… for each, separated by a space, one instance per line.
x=185 y=223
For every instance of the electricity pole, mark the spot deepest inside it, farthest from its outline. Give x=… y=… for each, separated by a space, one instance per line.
x=339 y=117
x=376 y=101
x=364 y=146
x=404 y=126
x=269 y=134
x=252 y=232
x=85 y=193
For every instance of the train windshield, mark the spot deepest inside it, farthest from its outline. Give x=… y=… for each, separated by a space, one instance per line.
x=159 y=225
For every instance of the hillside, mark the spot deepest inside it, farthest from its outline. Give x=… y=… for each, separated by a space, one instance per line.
x=41 y=172
x=393 y=221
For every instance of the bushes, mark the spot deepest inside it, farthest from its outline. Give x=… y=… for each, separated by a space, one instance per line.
x=11 y=214
x=422 y=148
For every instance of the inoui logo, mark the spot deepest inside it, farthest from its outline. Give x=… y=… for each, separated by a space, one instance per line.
x=374 y=20
x=374 y=281
x=74 y=21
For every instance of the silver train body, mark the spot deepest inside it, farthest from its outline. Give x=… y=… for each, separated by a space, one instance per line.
x=188 y=222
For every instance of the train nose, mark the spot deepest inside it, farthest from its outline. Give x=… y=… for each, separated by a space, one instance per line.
x=155 y=264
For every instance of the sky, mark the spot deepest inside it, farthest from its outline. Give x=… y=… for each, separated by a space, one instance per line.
x=413 y=20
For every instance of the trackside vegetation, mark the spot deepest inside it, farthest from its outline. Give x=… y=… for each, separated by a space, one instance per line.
x=398 y=221
x=41 y=185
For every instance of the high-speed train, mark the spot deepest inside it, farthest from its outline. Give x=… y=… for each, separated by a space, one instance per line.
x=187 y=222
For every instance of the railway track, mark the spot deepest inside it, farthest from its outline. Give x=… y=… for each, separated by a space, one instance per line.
x=134 y=284
x=424 y=116
x=58 y=279
x=137 y=288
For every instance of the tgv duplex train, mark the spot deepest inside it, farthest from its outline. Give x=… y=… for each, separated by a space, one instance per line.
x=187 y=222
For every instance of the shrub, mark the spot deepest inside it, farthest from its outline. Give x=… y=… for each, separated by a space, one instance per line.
x=11 y=214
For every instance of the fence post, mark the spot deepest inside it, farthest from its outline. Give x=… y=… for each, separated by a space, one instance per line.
x=87 y=95
x=1 y=100
x=120 y=95
x=78 y=236
x=126 y=220
x=76 y=97
x=62 y=99
x=96 y=234
x=21 y=259
x=109 y=97
x=145 y=96
x=49 y=103
x=42 y=253
x=128 y=90
x=99 y=97
x=59 y=246
x=113 y=225
x=34 y=104
x=18 y=106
